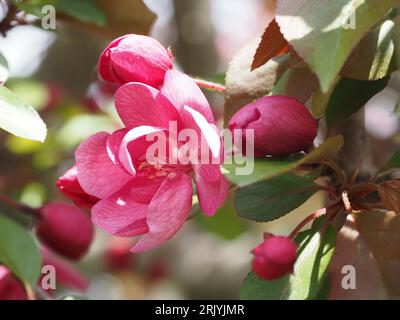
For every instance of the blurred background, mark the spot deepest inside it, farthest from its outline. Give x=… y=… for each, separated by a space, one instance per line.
x=56 y=73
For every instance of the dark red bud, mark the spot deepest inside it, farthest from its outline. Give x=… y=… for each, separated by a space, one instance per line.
x=65 y=229
x=274 y=257
x=281 y=125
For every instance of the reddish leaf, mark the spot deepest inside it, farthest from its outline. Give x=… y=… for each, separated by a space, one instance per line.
x=272 y=44
x=352 y=250
x=390 y=197
x=381 y=231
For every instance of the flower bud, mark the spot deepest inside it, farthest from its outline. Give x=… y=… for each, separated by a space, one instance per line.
x=135 y=58
x=10 y=287
x=274 y=257
x=281 y=125
x=65 y=229
x=118 y=255
x=69 y=185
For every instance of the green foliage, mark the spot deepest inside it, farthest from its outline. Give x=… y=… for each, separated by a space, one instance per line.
x=19 y=118
x=263 y=201
x=323 y=40
x=267 y=168
x=18 y=251
x=349 y=96
x=378 y=53
x=310 y=270
x=83 y=10
x=225 y=223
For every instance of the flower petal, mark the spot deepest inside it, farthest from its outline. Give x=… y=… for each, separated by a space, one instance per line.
x=139 y=104
x=97 y=174
x=182 y=90
x=167 y=212
x=138 y=139
x=195 y=120
x=113 y=143
x=212 y=188
x=124 y=213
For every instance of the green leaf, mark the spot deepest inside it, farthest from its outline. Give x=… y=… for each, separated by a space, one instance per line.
x=4 y=72
x=271 y=199
x=34 y=6
x=225 y=223
x=83 y=10
x=309 y=278
x=377 y=55
x=122 y=16
x=324 y=40
x=19 y=252
x=254 y=288
x=349 y=96
x=19 y=118
x=267 y=168
x=392 y=164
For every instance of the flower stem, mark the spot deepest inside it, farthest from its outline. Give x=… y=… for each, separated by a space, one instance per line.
x=311 y=217
x=19 y=206
x=209 y=85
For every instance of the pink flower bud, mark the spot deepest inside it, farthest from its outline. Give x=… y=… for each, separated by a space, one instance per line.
x=135 y=58
x=118 y=255
x=274 y=257
x=65 y=229
x=281 y=125
x=69 y=185
x=10 y=287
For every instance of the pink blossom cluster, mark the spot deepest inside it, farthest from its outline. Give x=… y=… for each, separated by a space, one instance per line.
x=133 y=189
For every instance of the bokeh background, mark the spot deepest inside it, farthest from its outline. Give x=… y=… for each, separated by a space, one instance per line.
x=56 y=73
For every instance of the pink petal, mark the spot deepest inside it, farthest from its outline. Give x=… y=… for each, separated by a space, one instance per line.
x=139 y=104
x=212 y=188
x=195 y=120
x=113 y=143
x=124 y=213
x=104 y=61
x=167 y=212
x=182 y=90
x=97 y=174
x=138 y=139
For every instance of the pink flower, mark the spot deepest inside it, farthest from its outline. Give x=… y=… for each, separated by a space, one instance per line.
x=69 y=185
x=66 y=229
x=135 y=58
x=274 y=257
x=152 y=199
x=281 y=125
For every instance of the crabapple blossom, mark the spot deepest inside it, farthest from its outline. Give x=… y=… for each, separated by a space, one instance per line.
x=150 y=194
